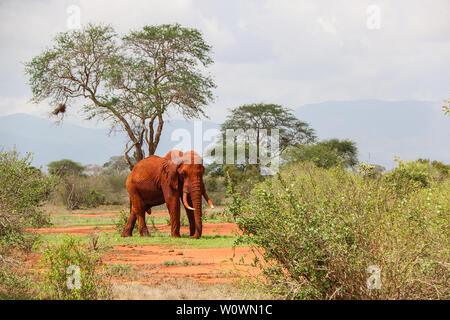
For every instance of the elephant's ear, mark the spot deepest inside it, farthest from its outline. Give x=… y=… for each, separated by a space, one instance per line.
x=170 y=168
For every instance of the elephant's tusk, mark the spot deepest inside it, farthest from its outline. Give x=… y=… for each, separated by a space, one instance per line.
x=207 y=199
x=185 y=202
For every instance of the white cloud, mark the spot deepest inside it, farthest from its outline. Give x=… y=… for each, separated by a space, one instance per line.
x=327 y=26
x=288 y=52
x=11 y=105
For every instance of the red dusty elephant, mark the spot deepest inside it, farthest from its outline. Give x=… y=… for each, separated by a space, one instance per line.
x=155 y=180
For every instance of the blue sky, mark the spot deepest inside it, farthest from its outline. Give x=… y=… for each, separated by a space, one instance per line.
x=287 y=52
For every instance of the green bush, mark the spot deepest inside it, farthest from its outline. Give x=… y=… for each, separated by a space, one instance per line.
x=60 y=264
x=411 y=175
x=318 y=231
x=23 y=189
x=216 y=188
x=324 y=154
x=93 y=198
x=122 y=221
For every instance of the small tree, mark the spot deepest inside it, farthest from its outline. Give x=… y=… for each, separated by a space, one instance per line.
x=65 y=167
x=131 y=81
x=115 y=165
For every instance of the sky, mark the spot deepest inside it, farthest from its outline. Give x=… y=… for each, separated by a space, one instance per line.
x=275 y=51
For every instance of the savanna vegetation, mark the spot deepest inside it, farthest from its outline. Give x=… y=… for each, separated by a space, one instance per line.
x=23 y=191
x=324 y=226
x=321 y=233
x=89 y=186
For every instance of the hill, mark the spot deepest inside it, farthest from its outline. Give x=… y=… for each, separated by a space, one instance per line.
x=49 y=142
x=381 y=129
x=384 y=129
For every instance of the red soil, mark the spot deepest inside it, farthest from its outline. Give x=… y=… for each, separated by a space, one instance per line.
x=153 y=263
x=211 y=265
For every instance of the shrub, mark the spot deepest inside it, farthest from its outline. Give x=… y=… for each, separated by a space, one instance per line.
x=81 y=191
x=324 y=154
x=410 y=175
x=63 y=262
x=122 y=221
x=23 y=189
x=14 y=283
x=93 y=198
x=216 y=188
x=319 y=231
x=77 y=192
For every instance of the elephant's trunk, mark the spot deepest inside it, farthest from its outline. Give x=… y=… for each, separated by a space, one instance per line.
x=196 y=197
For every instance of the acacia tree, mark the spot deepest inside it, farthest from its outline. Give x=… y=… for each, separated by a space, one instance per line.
x=130 y=81
x=267 y=117
x=65 y=167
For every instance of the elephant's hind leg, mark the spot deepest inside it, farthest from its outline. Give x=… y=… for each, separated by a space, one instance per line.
x=138 y=209
x=129 y=226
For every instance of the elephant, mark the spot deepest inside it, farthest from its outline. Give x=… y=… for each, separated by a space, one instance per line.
x=156 y=180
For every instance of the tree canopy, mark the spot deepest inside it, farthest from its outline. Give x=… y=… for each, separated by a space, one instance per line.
x=130 y=81
x=65 y=167
x=325 y=154
x=115 y=165
x=260 y=119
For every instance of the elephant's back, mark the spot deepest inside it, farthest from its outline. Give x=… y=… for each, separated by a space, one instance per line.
x=146 y=171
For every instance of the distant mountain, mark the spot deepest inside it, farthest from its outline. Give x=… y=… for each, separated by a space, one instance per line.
x=49 y=142
x=381 y=129
x=384 y=129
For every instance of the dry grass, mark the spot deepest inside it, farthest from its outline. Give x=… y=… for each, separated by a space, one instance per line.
x=60 y=209
x=182 y=290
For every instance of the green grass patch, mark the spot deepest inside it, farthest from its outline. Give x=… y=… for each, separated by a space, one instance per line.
x=68 y=220
x=161 y=239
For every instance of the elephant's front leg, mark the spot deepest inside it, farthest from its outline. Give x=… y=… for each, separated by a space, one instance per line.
x=173 y=205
